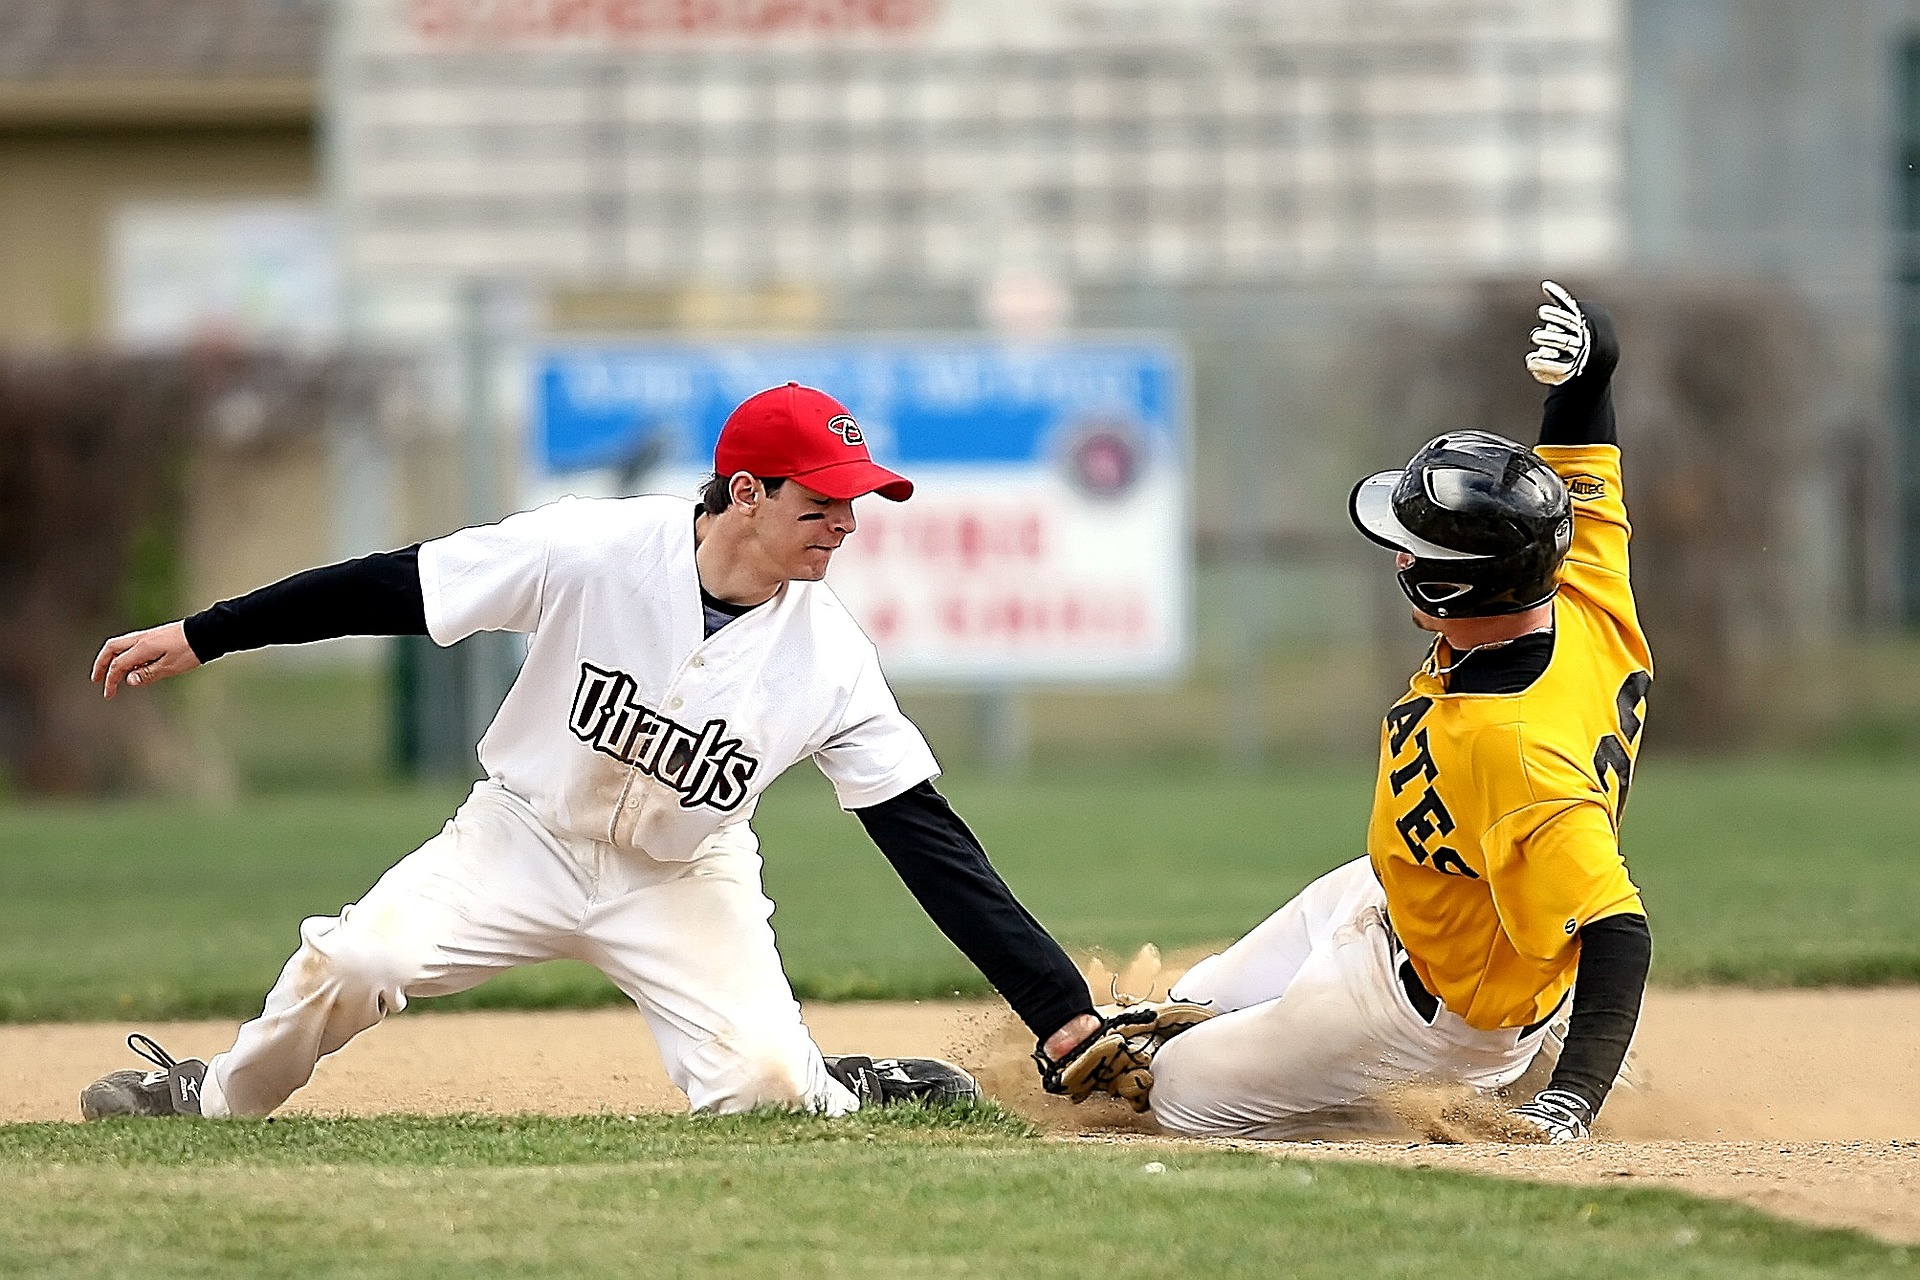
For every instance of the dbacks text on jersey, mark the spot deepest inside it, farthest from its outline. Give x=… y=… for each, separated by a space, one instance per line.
x=703 y=766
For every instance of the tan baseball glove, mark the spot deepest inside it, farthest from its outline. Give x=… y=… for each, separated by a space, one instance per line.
x=1117 y=1058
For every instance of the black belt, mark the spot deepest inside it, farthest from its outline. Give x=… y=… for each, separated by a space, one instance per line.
x=1424 y=1002
x=1427 y=1004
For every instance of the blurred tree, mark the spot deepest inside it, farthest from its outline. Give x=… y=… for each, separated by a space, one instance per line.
x=93 y=459
x=88 y=449
x=1716 y=396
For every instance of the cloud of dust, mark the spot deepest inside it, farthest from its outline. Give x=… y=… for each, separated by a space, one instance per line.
x=999 y=1050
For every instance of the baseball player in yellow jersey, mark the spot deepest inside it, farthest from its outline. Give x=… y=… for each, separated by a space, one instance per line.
x=1493 y=895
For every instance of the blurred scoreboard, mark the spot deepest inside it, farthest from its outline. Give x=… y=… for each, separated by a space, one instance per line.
x=1048 y=537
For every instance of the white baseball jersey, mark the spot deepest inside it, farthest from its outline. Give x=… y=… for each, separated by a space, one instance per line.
x=627 y=723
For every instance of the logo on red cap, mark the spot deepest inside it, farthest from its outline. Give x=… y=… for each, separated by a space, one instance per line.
x=847 y=429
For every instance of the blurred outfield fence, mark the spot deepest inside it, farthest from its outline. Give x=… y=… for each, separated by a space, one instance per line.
x=1341 y=211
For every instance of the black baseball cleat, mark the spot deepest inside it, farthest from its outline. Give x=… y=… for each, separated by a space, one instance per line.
x=887 y=1082
x=173 y=1090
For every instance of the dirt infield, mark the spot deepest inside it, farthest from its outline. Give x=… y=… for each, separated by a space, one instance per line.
x=1802 y=1103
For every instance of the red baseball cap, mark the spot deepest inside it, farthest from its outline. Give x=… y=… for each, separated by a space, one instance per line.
x=797 y=433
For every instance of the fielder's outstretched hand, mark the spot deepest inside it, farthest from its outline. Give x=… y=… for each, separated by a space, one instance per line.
x=142 y=657
x=1563 y=341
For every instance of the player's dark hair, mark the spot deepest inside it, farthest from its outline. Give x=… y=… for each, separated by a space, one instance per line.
x=717 y=494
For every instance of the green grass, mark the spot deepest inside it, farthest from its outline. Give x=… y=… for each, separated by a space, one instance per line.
x=1765 y=872
x=1779 y=873
x=286 y=726
x=931 y=1193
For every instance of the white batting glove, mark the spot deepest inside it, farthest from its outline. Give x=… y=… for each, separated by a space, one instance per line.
x=1563 y=341
x=1559 y=1114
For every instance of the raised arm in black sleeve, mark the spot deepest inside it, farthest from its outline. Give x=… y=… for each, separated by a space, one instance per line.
x=946 y=870
x=377 y=595
x=1580 y=410
x=1614 y=956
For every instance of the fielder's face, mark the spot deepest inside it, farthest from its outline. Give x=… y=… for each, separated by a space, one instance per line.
x=798 y=530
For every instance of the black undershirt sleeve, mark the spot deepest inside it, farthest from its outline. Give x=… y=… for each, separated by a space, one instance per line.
x=1614 y=957
x=1580 y=410
x=377 y=595
x=946 y=870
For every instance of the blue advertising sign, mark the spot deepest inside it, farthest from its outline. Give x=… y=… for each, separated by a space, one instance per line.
x=601 y=404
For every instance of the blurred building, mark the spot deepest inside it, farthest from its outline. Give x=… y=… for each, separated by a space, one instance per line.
x=945 y=142
x=1306 y=191
x=1299 y=189
x=1276 y=180
x=114 y=111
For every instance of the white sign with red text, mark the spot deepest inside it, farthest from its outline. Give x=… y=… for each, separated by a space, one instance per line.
x=990 y=575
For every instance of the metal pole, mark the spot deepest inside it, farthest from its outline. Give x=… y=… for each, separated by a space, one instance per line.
x=362 y=472
x=359 y=461
x=488 y=661
x=1001 y=728
x=480 y=451
x=1245 y=718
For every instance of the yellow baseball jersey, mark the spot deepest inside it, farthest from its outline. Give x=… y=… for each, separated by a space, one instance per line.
x=1495 y=826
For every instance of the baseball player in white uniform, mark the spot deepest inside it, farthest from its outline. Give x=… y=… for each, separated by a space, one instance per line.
x=680 y=657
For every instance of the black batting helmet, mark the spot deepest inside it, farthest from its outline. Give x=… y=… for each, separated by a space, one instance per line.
x=1486 y=522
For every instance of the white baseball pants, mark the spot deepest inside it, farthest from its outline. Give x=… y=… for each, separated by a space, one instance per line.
x=689 y=942
x=1315 y=1026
